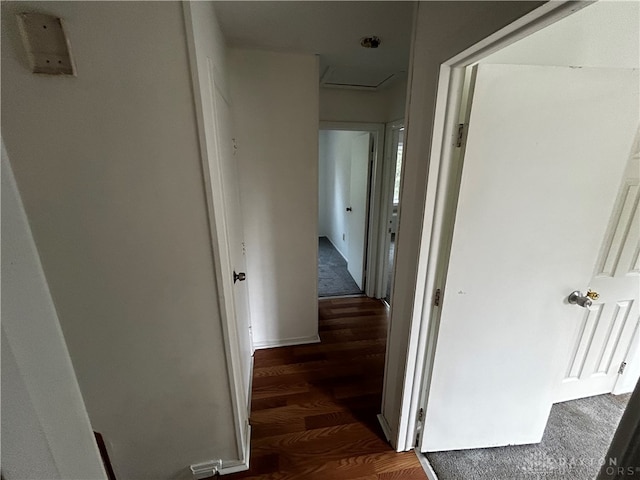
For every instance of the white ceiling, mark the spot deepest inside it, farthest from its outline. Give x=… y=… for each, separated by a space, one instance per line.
x=331 y=29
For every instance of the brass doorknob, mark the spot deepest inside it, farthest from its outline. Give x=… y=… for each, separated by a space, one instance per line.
x=593 y=295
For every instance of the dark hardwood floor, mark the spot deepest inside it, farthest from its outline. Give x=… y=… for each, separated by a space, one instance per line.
x=314 y=407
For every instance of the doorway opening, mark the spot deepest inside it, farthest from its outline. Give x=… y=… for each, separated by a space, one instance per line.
x=393 y=173
x=344 y=172
x=516 y=350
x=349 y=176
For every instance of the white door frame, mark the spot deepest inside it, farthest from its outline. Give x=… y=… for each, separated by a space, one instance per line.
x=223 y=270
x=388 y=180
x=372 y=264
x=437 y=224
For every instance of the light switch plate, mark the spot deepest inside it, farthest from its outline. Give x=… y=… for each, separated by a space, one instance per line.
x=46 y=44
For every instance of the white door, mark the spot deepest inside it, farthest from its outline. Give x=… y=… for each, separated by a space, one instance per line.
x=601 y=343
x=234 y=230
x=228 y=234
x=545 y=154
x=357 y=210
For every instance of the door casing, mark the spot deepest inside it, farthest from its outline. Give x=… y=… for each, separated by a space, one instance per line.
x=388 y=178
x=374 y=217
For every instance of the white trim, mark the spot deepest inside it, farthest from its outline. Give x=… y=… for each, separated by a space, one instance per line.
x=287 y=342
x=234 y=466
x=426 y=465
x=337 y=249
x=385 y=426
x=437 y=219
x=333 y=297
x=209 y=152
x=211 y=468
x=375 y=196
x=386 y=214
x=205 y=469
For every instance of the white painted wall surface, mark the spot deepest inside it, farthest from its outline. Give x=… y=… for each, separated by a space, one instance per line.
x=397 y=101
x=345 y=105
x=109 y=170
x=604 y=34
x=443 y=29
x=275 y=102
x=45 y=428
x=335 y=162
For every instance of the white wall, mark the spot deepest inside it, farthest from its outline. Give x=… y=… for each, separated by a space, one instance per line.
x=604 y=34
x=109 y=170
x=443 y=29
x=45 y=428
x=335 y=165
x=397 y=101
x=275 y=103
x=345 y=105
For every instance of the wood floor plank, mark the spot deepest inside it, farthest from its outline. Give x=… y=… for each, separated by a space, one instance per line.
x=314 y=406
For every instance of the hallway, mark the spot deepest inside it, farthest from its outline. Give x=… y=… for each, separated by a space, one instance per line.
x=314 y=407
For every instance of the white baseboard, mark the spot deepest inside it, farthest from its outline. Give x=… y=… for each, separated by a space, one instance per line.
x=235 y=466
x=286 y=342
x=225 y=467
x=337 y=249
x=385 y=427
x=426 y=465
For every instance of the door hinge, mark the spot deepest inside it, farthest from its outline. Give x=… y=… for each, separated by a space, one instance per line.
x=460 y=135
x=417 y=440
x=436 y=298
x=421 y=415
x=623 y=365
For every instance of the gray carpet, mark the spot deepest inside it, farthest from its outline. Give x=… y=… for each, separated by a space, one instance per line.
x=333 y=277
x=575 y=442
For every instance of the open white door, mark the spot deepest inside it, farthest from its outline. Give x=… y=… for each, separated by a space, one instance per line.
x=601 y=345
x=545 y=154
x=357 y=210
